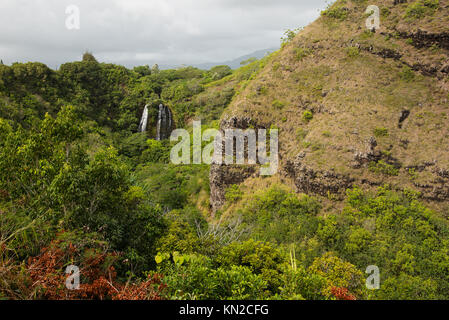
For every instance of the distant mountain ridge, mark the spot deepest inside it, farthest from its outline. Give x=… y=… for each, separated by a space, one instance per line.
x=235 y=63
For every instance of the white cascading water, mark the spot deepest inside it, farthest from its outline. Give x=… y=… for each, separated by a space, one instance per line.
x=144 y=120
x=164 y=123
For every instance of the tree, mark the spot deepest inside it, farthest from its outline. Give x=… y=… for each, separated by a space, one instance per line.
x=89 y=57
x=155 y=68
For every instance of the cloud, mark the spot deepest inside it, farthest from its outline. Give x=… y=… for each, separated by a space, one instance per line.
x=136 y=32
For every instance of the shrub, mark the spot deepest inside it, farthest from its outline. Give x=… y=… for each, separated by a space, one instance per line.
x=233 y=194
x=339 y=274
x=219 y=72
x=157 y=151
x=421 y=8
x=97 y=272
x=407 y=74
x=194 y=277
x=301 y=53
x=406 y=287
x=381 y=132
x=278 y=104
x=89 y=57
x=307 y=116
x=383 y=167
x=352 y=52
x=289 y=35
x=261 y=258
x=336 y=12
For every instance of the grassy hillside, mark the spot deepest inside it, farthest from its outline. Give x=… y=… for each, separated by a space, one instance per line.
x=356 y=107
x=362 y=118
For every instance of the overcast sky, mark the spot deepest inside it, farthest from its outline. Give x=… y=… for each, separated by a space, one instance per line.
x=139 y=32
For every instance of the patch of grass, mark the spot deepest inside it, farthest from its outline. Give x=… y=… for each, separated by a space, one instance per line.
x=384 y=168
x=407 y=74
x=307 y=116
x=233 y=194
x=380 y=132
x=279 y=105
x=413 y=174
x=306 y=144
x=385 y=12
x=336 y=12
x=316 y=146
x=420 y=9
x=301 y=133
x=435 y=48
x=301 y=53
x=263 y=90
x=289 y=35
x=352 y=52
x=366 y=34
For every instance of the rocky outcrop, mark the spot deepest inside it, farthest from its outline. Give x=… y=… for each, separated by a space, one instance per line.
x=221 y=177
x=404 y=116
x=420 y=39
x=437 y=189
x=423 y=39
x=309 y=180
x=370 y=153
x=385 y=53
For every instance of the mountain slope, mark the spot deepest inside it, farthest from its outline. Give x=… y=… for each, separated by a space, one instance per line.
x=355 y=107
x=236 y=63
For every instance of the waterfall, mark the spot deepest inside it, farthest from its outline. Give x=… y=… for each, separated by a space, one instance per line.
x=164 y=123
x=144 y=121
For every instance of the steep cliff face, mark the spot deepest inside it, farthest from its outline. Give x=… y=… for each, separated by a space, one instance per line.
x=355 y=106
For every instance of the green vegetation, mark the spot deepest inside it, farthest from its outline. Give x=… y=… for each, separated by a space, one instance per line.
x=80 y=185
x=407 y=74
x=72 y=161
x=393 y=229
x=336 y=11
x=384 y=168
x=352 y=52
x=307 y=116
x=234 y=194
x=380 y=132
x=278 y=104
x=421 y=8
x=289 y=35
x=301 y=53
